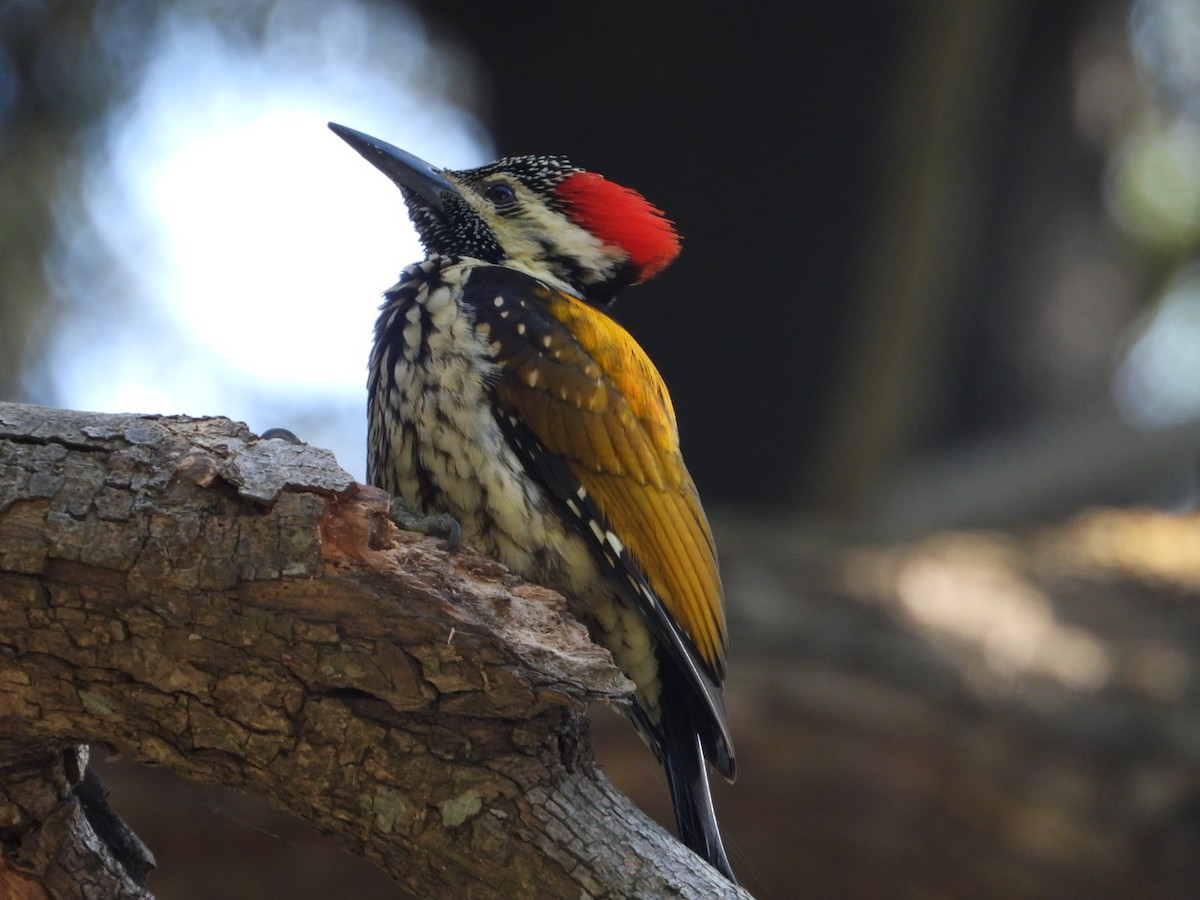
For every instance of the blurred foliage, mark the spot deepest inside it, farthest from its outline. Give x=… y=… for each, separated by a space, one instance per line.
x=1154 y=178
x=53 y=85
x=1153 y=192
x=188 y=260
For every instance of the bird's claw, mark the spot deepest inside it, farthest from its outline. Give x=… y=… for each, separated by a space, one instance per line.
x=280 y=434
x=442 y=525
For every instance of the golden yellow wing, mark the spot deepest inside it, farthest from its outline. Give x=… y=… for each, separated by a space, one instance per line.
x=595 y=403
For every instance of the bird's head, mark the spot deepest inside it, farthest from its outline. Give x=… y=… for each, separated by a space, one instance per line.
x=541 y=214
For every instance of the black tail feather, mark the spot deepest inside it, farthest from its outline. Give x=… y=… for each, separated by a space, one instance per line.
x=683 y=760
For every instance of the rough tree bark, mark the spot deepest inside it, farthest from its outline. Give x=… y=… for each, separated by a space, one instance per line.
x=241 y=611
x=972 y=714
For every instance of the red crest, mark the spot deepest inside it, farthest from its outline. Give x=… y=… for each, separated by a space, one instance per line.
x=623 y=217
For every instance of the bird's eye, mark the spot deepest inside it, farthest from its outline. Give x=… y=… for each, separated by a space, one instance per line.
x=499 y=193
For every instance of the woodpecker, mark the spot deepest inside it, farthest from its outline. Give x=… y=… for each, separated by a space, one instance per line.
x=506 y=407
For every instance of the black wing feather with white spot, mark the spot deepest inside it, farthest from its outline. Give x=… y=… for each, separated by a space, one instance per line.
x=512 y=312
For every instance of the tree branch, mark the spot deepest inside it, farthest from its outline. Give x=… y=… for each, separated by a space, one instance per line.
x=243 y=612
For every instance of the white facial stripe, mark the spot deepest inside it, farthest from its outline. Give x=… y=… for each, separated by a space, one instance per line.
x=522 y=238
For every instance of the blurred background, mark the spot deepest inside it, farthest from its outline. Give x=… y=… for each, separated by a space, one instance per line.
x=940 y=261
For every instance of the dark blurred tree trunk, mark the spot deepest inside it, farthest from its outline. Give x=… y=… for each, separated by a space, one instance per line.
x=937 y=147
x=755 y=131
x=881 y=204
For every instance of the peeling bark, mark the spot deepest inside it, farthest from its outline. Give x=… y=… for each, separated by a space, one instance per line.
x=241 y=611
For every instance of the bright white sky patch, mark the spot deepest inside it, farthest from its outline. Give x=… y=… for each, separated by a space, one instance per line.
x=257 y=242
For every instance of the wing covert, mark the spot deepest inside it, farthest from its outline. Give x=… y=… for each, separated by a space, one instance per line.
x=586 y=393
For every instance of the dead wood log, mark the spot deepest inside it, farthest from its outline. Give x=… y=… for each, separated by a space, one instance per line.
x=241 y=611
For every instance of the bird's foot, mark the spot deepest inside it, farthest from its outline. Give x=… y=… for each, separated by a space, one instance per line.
x=441 y=525
x=280 y=434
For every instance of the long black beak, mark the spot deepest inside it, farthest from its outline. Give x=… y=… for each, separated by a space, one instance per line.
x=402 y=167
